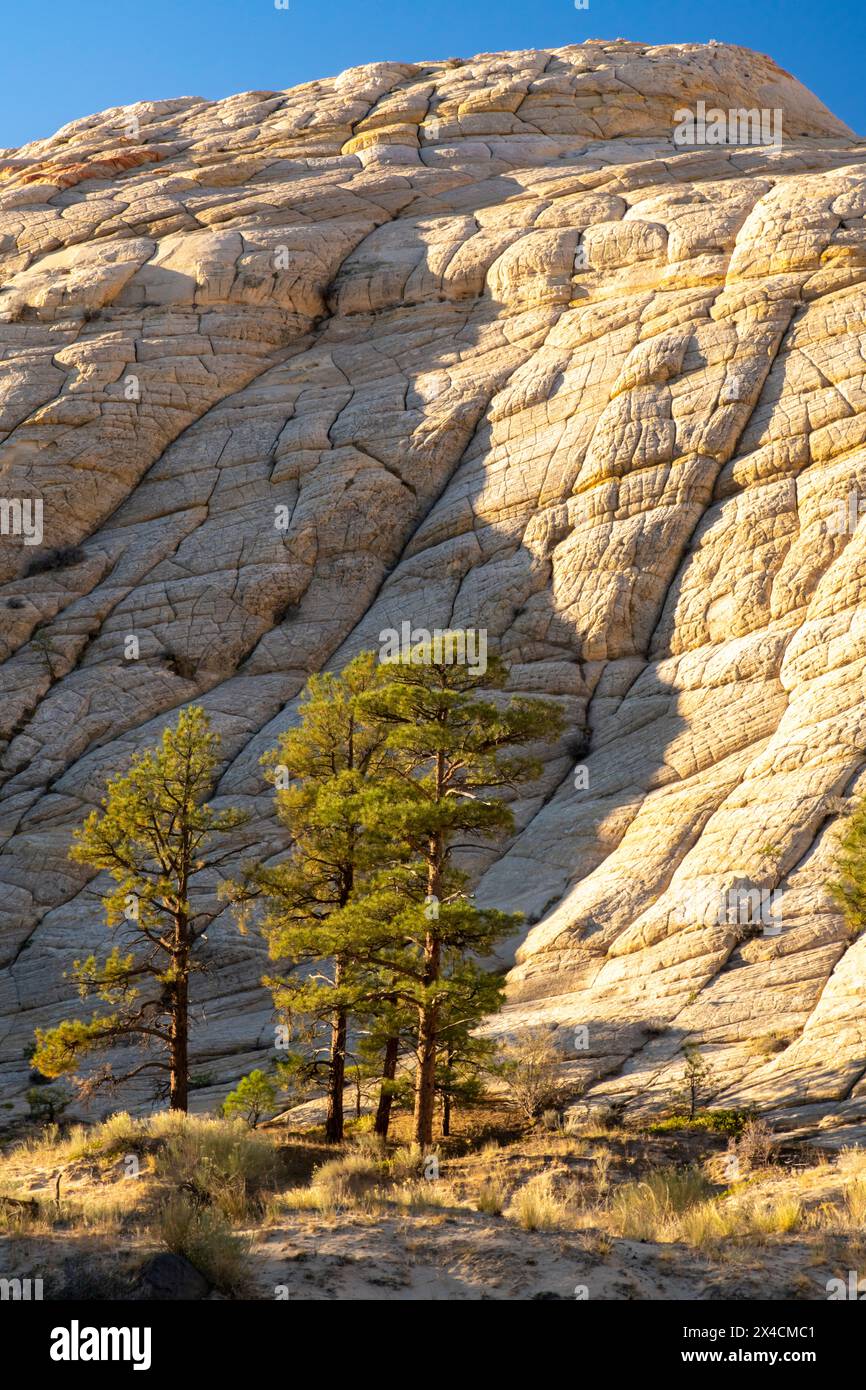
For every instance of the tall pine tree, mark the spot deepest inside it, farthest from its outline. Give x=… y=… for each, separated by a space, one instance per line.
x=154 y=834
x=452 y=753
x=323 y=771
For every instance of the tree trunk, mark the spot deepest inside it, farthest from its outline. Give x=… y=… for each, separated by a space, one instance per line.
x=446 y=1097
x=425 y=1078
x=178 y=1089
x=428 y=1011
x=389 y=1071
x=336 y=1079
x=428 y=1028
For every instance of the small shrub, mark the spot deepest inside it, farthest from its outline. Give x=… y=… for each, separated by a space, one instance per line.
x=366 y=1142
x=696 y=1080
x=754 y=1146
x=731 y=1122
x=47 y=1103
x=181 y=665
x=203 y=1237
x=218 y=1163
x=769 y=1044
x=529 y=1064
x=254 y=1096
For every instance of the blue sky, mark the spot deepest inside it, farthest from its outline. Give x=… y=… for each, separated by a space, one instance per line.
x=64 y=60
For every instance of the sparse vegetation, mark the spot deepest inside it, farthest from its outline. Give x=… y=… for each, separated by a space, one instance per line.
x=754 y=1144
x=731 y=1122
x=769 y=1044
x=220 y=1194
x=529 y=1063
x=47 y=1103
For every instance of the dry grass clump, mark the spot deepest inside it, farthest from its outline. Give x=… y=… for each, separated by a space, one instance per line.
x=342 y=1181
x=117 y=1135
x=203 y=1236
x=217 y=1162
x=537 y=1206
x=855 y=1203
x=673 y=1205
x=647 y=1209
x=298 y=1199
x=852 y=1162
x=845 y=1217
x=210 y=1168
x=107 y=1210
x=601 y=1161
x=778 y=1216
x=25 y=1219
x=408 y=1162
x=492 y=1196
x=422 y=1194
x=363 y=1181
x=210 y=1162
x=704 y=1225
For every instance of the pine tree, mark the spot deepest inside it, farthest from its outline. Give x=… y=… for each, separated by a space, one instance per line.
x=452 y=753
x=254 y=1095
x=697 y=1079
x=324 y=771
x=154 y=833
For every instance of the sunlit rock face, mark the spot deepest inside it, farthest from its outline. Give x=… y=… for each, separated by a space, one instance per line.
x=478 y=344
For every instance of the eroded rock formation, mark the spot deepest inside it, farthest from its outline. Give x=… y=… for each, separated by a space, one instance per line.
x=464 y=344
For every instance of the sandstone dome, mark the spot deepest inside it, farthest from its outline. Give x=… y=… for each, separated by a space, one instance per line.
x=497 y=352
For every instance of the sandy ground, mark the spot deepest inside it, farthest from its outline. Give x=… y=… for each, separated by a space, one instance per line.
x=470 y=1256
x=448 y=1250
x=447 y=1257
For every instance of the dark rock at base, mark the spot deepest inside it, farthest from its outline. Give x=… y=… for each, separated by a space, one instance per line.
x=169 y=1276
